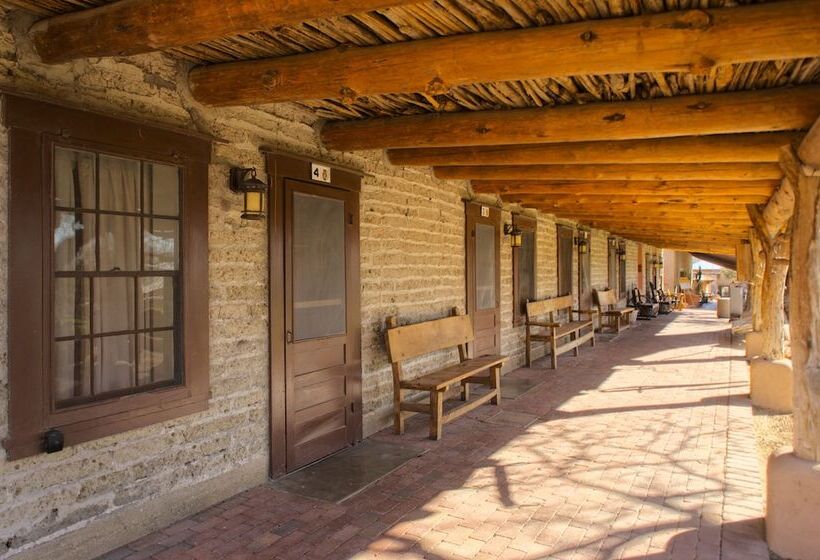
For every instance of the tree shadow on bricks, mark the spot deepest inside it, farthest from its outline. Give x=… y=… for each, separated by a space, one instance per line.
x=604 y=470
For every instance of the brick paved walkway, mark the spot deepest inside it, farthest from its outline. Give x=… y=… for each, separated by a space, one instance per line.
x=639 y=448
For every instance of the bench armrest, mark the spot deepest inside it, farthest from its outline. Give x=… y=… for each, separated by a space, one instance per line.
x=585 y=311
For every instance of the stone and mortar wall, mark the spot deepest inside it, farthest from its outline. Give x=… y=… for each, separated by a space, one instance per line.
x=412 y=262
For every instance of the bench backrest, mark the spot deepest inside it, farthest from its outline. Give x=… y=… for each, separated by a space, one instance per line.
x=606 y=299
x=550 y=305
x=409 y=341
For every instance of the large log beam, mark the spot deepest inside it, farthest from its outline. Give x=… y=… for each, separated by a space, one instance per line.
x=600 y=223
x=669 y=188
x=690 y=41
x=616 y=172
x=725 y=148
x=650 y=209
x=688 y=115
x=136 y=26
x=580 y=200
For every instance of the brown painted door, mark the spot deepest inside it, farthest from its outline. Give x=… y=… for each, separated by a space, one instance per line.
x=612 y=266
x=483 y=237
x=584 y=277
x=322 y=355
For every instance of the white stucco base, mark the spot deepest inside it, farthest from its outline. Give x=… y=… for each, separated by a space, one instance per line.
x=754 y=344
x=772 y=384
x=793 y=506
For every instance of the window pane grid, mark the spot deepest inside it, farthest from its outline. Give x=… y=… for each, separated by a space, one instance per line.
x=126 y=359
x=147 y=330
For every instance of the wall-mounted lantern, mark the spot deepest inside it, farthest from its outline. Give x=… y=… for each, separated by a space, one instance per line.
x=516 y=235
x=244 y=180
x=582 y=242
x=622 y=251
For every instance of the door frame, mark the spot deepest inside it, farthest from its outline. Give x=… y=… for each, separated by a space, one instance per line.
x=584 y=259
x=281 y=167
x=472 y=216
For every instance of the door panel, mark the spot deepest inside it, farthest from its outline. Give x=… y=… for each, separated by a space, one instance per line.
x=483 y=240
x=321 y=370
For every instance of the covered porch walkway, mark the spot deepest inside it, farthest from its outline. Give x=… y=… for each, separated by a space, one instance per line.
x=642 y=447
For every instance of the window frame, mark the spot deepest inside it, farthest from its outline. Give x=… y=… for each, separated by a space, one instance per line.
x=34 y=129
x=566 y=232
x=524 y=223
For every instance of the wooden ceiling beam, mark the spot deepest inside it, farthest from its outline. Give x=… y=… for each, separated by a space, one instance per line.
x=617 y=172
x=131 y=27
x=769 y=110
x=670 y=188
x=582 y=200
x=724 y=148
x=647 y=212
x=665 y=229
x=602 y=223
x=685 y=41
x=721 y=248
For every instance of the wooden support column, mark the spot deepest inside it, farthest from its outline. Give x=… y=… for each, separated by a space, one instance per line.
x=758 y=271
x=805 y=300
x=776 y=252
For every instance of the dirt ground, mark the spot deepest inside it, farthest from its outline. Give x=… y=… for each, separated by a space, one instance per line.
x=773 y=430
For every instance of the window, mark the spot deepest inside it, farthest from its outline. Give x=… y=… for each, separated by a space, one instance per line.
x=115 y=275
x=108 y=274
x=524 y=268
x=565 y=246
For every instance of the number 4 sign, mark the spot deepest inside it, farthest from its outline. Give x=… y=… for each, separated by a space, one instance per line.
x=320 y=173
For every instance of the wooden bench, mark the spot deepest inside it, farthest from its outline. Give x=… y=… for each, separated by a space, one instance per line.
x=646 y=309
x=617 y=318
x=554 y=330
x=411 y=341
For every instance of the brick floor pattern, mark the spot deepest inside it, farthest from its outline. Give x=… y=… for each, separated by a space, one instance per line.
x=642 y=447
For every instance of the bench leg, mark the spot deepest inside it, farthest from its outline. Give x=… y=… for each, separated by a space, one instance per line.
x=576 y=350
x=398 y=420
x=436 y=414
x=554 y=353
x=465 y=390
x=495 y=384
x=593 y=339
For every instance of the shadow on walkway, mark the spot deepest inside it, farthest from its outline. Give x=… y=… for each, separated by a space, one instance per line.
x=610 y=457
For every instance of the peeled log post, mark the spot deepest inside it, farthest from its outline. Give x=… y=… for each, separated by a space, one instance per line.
x=793 y=478
x=773 y=291
x=805 y=301
x=759 y=268
x=774 y=239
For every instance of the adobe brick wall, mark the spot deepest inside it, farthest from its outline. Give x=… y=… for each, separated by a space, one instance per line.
x=412 y=263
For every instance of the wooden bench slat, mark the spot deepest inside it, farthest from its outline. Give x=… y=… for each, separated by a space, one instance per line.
x=411 y=341
x=450 y=375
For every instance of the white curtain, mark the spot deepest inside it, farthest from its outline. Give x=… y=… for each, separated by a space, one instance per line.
x=114 y=297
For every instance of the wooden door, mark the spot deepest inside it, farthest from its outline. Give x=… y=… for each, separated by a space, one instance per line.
x=612 y=266
x=322 y=357
x=483 y=248
x=584 y=272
